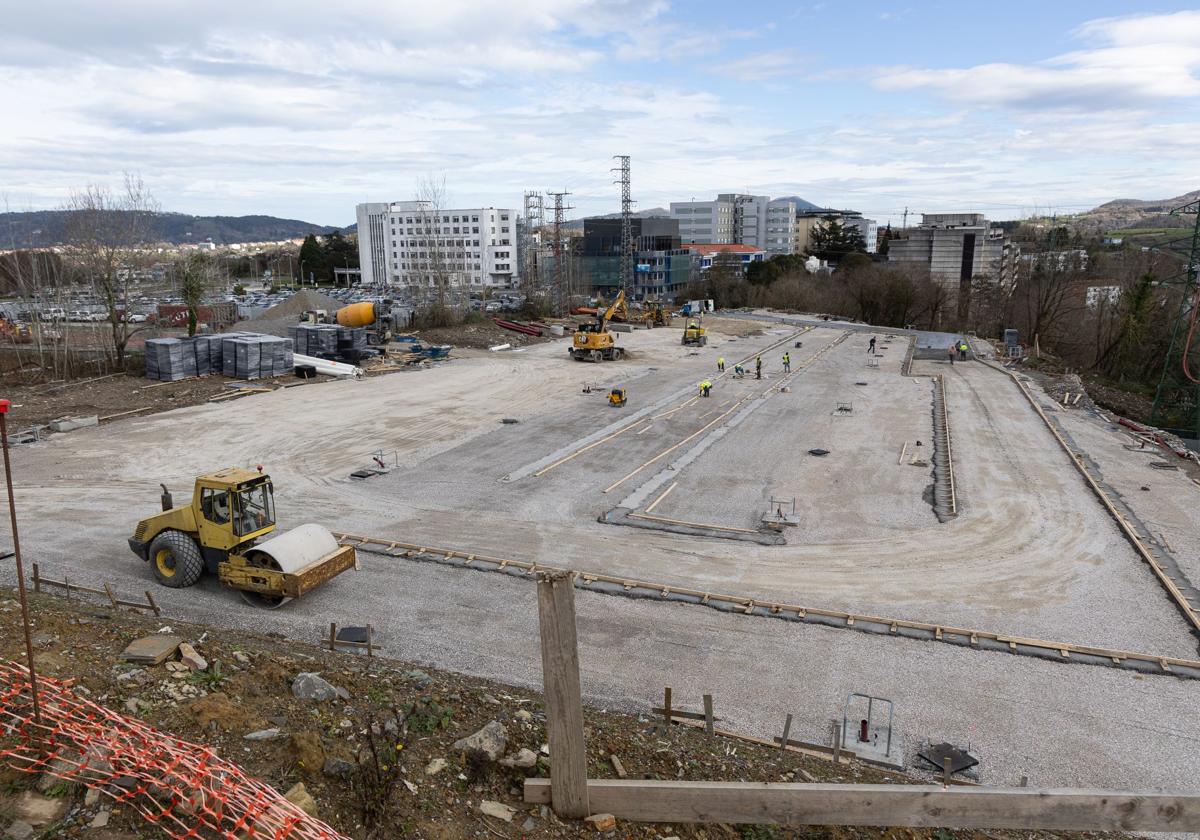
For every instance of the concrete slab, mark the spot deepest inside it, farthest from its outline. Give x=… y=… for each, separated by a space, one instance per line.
x=151 y=650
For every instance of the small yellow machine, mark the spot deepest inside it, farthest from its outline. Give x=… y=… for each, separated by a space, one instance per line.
x=220 y=532
x=593 y=342
x=616 y=397
x=693 y=333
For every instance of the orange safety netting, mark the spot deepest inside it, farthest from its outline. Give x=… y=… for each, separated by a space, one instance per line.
x=184 y=788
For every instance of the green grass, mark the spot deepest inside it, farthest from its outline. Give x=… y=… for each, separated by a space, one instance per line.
x=1146 y=231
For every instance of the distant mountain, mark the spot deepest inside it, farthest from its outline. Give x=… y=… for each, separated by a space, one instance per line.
x=47 y=227
x=801 y=204
x=1135 y=213
x=653 y=212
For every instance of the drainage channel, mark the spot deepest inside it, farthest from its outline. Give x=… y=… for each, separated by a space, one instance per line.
x=1062 y=652
x=945 y=499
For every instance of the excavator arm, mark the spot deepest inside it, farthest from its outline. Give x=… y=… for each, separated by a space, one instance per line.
x=618 y=304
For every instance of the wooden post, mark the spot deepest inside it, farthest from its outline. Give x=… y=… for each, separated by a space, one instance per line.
x=837 y=741
x=153 y=605
x=370 y=635
x=564 y=703
x=708 y=715
x=787 y=728
x=37 y=579
x=332 y=635
x=946 y=770
x=111 y=597
x=667 y=707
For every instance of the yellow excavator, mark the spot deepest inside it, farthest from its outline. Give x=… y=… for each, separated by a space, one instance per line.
x=220 y=532
x=593 y=342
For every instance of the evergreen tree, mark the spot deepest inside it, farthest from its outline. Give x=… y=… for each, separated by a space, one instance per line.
x=832 y=240
x=312 y=259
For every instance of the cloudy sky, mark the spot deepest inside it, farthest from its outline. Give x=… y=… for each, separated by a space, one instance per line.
x=302 y=109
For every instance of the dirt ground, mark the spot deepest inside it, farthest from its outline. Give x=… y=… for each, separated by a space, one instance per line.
x=116 y=397
x=246 y=688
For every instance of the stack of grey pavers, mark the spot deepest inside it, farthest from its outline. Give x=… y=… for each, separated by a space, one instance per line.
x=351 y=343
x=238 y=355
x=320 y=340
x=170 y=359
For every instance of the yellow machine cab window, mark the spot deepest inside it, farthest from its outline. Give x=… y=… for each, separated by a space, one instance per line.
x=254 y=508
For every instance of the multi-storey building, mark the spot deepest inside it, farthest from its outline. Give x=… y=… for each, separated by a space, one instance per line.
x=957 y=248
x=732 y=218
x=413 y=245
x=704 y=221
x=662 y=267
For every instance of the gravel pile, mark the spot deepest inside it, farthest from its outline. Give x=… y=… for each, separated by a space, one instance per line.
x=1071 y=389
x=298 y=304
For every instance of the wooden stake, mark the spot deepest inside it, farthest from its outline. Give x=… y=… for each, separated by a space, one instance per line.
x=153 y=605
x=370 y=635
x=946 y=770
x=111 y=597
x=667 y=707
x=787 y=728
x=708 y=715
x=37 y=579
x=837 y=741
x=332 y=636
x=564 y=703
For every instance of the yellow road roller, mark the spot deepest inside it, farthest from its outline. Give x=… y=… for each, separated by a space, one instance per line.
x=222 y=532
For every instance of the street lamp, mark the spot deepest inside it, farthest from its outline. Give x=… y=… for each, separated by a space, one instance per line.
x=12 y=510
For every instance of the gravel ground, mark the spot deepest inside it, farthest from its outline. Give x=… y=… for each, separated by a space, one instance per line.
x=1060 y=725
x=1033 y=553
x=1170 y=508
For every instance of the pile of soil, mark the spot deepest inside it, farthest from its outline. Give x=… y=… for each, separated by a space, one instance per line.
x=479 y=335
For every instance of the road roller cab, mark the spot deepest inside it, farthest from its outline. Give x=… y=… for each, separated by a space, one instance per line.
x=221 y=532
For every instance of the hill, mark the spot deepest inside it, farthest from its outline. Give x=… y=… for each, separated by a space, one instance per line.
x=1124 y=213
x=653 y=212
x=47 y=227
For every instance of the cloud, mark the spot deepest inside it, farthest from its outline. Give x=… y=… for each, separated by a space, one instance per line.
x=1138 y=60
x=761 y=66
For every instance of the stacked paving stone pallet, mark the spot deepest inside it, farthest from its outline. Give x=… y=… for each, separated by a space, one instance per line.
x=237 y=354
x=329 y=341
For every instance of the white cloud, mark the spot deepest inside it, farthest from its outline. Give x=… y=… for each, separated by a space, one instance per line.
x=1138 y=60
x=760 y=66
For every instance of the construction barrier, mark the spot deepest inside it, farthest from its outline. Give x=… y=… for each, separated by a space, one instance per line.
x=184 y=789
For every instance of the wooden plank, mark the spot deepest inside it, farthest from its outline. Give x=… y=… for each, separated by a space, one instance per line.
x=914 y=806
x=564 y=704
x=676 y=714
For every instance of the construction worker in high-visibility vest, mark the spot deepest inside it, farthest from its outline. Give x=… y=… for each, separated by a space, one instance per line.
x=787 y=362
x=721 y=364
x=705 y=387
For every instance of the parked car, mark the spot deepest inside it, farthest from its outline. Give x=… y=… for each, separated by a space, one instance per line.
x=138 y=318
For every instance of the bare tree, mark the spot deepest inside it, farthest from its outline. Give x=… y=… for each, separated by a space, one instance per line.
x=105 y=232
x=441 y=256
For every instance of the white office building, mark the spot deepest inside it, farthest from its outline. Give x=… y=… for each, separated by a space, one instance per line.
x=704 y=221
x=412 y=245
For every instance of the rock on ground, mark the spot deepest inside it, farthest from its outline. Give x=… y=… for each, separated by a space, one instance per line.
x=497 y=809
x=490 y=741
x=309 y=686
